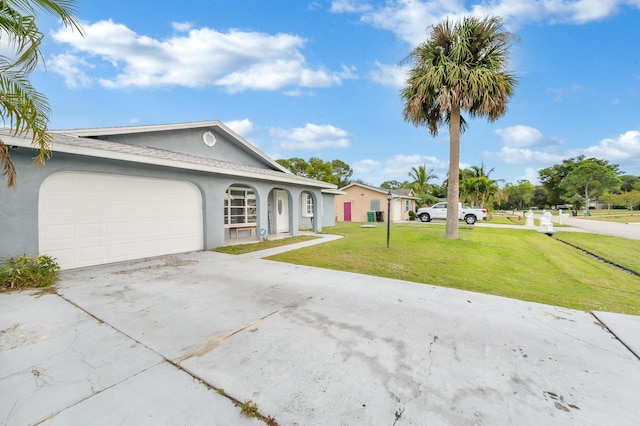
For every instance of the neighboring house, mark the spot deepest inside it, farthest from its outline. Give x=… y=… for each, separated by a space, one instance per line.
x=124 y=193
x=359 y=200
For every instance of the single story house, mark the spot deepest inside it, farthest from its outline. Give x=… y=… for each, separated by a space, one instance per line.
x=358 y=201
x=123 y=193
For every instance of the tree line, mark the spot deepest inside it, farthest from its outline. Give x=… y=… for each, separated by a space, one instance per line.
x=575 y=181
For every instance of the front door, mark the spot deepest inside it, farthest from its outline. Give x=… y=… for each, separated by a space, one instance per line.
x=397 y=211
x=347 y=212
x=282 y=211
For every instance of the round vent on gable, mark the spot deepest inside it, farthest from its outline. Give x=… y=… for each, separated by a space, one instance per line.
x=209 y=138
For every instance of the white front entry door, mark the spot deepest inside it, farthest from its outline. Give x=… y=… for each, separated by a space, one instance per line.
x=397 y=210
x=282 y=211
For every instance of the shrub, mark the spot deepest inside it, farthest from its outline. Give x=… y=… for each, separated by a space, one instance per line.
x=412 y=215
x=28 y=272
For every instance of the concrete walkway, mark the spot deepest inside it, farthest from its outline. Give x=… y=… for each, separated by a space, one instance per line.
x=151 y=343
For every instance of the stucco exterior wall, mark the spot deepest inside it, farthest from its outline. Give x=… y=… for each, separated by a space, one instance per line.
x=189 y=141
x=328 y=209
x=404 y=214
x=360 y=199
x=19 y=205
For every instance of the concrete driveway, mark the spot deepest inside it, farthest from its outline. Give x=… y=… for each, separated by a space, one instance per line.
x=151 y=342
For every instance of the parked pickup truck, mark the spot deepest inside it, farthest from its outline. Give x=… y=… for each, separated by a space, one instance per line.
x=439 y=211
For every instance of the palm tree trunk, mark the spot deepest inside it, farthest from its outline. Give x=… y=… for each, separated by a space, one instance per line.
x=453 y=195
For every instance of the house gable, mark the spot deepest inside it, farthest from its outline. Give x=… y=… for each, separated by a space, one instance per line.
x=210 y=139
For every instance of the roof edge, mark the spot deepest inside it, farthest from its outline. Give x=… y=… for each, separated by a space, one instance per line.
x=125 y=130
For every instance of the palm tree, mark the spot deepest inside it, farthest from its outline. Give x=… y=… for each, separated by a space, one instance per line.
x=421 y=178
x=478 y=189
x=459 y=68
x=21 y=105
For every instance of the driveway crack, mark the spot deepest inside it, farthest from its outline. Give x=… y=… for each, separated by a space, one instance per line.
x=216 y=341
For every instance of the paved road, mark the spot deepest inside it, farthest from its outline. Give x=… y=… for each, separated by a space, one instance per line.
x=150 y=342
x=631 y=230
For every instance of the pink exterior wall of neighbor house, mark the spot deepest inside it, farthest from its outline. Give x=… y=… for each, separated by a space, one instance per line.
x=360 y=198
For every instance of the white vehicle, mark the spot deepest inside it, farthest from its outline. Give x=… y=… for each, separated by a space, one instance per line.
x=439 y=211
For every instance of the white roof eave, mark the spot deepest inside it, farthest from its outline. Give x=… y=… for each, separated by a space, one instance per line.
x=136 y=158
x=124 y=130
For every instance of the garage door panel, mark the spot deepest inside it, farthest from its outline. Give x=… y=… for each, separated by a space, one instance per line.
x=87 y=219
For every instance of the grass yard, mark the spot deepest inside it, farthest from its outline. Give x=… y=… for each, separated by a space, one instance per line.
x=522 y=264
x=263 y=245
x=614 y=215
x=622 y=251
x=504 y=218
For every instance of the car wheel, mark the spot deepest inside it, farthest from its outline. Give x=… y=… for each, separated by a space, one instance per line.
x=470 y=219
x=424 y=217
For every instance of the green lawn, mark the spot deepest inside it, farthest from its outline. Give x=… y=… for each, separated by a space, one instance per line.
x=614 y=215
x=263 y=245
x=522 y=264
x=622 y=251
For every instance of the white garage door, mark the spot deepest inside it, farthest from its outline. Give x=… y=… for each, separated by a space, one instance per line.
x=90 y=219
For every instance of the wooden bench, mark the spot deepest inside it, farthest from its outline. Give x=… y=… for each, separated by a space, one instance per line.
x=242 y=228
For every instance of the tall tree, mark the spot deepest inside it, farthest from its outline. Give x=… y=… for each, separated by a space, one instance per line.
x=321 y=170
x=611 y=199
x=21 y=105
x=551 y=177
x=461 y=67
x=394 y=184
x=297 y=166
x=631 y=198
x=342 y=172
x=539 y=198
x=420 y=179
x=478 y=189
x=519 y=194
x=588 y=181
x=628 y=182
x=336 y=171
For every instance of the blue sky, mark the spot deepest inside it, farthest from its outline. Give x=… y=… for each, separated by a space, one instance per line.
x=322 y=78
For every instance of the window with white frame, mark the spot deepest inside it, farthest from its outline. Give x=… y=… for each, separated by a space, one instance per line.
x=307 y=205
x=239 y=206
x=407 y=205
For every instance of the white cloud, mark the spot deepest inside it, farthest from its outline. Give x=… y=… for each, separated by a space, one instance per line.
x=400 y=165
x=563 y=92
x=340 y=6
x=623 y=148
x=312 y=136
x=182 y=26
x=523 y=136
x=242 y=127
x=195 y=57
x=409 y=19
x=71 y=68
x=390 y=75
x=530 y=174
x=525 y=156
x=398 y=168
x=366 y=167
x=582 y=11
